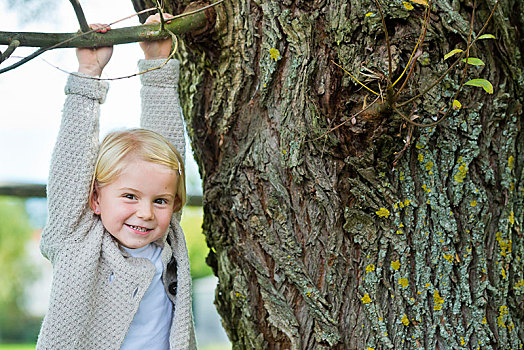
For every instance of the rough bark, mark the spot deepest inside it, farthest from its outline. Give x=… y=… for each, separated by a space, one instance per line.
x=317 y=239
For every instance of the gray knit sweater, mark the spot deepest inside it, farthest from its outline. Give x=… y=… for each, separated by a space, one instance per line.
x=96 y=286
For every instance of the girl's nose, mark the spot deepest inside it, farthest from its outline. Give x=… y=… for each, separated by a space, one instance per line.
x=145 y=211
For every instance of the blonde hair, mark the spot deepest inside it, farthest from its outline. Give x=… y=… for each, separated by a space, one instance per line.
x=144 y=144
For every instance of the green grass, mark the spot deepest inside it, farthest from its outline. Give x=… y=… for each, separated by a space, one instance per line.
x=17 y=346
x=215 y=347
x=196 y=242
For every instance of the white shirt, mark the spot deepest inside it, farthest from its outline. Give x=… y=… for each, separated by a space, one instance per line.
x=151 y=324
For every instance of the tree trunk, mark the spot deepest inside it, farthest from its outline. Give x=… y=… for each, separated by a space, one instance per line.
x=330 y=227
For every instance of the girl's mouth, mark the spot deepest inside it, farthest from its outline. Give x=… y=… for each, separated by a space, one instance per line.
x=139 y=229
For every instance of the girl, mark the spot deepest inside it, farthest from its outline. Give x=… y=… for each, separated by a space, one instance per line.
x=120 y=266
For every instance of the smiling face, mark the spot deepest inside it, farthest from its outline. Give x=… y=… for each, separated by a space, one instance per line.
x=136 y=207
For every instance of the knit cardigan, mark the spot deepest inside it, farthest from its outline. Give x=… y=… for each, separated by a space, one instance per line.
x=97 y=286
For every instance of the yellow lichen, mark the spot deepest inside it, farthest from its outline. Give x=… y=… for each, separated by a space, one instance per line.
x=519 y=284
x=429 y=165
x=505 y=245
x=448 y=257
x=511 y=218
x=274 y=54
x=438 y=301
x=366 y=299
x=395 y=265
x=461 y=174
x=420 y=157
x=511 y=161
x=382 y=212
x=503 y=310
x=405 y=320
x=403 y=282
x=425 y=188
x=370 y=268
x=473 y=203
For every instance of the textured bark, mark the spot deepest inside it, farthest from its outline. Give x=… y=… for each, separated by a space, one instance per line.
x=295 y=209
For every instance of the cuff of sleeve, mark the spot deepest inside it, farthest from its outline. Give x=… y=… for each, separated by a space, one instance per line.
x=167 y=76
x=82 y=84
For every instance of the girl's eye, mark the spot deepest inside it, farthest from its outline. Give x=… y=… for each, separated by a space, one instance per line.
x=129 y=196
x=161 y=201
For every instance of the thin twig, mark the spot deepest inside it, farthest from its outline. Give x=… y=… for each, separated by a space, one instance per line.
x=419 y=43
x=358 y=81
x=160 y=11
x=408 y=142
x=80 y=15
x=409 y=74
x=459 y=59
x=390 y=60
x=197 y=10
x=344 y=122
x=415 y=123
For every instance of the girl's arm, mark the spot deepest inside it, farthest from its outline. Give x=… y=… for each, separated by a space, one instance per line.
x=161 y=110
x=75 y=152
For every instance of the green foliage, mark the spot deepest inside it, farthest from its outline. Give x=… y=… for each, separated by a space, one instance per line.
x=473 y=61
x=196 y=243
x=17 y=346
x=452 y=53
x=483 y=83
x=486 y=36
x=14 y=234
x=15 y=268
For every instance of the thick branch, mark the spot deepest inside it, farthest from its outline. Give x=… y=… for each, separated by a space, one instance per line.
x=126 y=35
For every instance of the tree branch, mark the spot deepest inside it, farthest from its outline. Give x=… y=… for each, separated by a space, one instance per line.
x=84 y=27
x=197 y=20
x=12 y=46
x=145 y=32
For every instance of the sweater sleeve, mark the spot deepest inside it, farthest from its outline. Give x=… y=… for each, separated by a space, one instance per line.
x=73 y=161
x=161 y=110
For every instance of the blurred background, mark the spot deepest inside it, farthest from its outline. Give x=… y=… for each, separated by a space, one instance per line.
x=31 y=99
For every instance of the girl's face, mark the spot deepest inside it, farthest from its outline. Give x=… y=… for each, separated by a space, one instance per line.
x=136 y=208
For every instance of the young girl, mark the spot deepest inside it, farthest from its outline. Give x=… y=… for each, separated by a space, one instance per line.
x=121 y=270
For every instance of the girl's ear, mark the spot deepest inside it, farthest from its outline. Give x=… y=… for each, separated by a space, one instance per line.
x=177 y=204
x=95 y=203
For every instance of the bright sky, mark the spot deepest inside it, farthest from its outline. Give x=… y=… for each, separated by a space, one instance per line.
x=31 y=96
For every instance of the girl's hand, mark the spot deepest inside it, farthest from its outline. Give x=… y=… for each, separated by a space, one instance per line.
x=159 y=48
x=92 y=61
